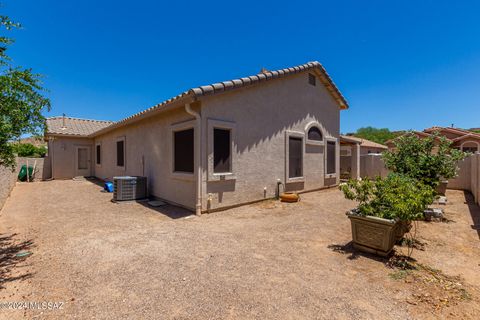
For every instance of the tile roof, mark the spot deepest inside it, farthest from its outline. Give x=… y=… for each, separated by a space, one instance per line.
x=363 y=142
x=74 y=126
x=224 y=86
x=468 y=135
x=451 y=129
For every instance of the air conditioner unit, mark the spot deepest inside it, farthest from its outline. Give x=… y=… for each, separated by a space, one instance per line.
x=129 y=188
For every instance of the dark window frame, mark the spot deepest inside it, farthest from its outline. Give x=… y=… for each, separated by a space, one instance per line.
x=187 y=152
x=98 y=154
x=220 y=166
x=295 y=143
x=328 y=158
x=120 y=164
x=312 y=130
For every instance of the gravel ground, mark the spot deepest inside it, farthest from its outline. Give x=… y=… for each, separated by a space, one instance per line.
x=265 y=261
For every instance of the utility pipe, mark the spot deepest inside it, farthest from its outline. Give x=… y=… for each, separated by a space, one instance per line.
x=198 y=157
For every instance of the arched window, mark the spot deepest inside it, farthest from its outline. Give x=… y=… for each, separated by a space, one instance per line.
x=315 y=134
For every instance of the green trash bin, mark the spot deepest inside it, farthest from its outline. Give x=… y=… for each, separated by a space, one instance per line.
x=22 y=175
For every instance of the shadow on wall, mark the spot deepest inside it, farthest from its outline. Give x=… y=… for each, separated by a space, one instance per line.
x=13 y=256
x=474 y=211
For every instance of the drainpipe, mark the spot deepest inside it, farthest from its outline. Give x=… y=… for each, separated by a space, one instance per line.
x=198 y=156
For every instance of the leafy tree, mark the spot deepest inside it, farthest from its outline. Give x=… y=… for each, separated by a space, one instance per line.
x=375 y=134
x=427 y=160
x=21 y=99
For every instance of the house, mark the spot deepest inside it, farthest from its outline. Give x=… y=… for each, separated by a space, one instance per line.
x=351 y=151
x=216 y=146
x=366 y=146
x=461 y=139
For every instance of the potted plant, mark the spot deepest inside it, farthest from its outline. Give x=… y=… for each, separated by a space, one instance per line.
x=430 y=160
x=385 y=211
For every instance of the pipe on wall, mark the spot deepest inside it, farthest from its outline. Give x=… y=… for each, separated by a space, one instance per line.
x=198 y=153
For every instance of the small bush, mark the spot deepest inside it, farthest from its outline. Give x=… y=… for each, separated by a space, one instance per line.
x=29 y=150
x=395 y=197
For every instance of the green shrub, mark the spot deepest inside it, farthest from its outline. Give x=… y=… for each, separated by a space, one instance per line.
x=395 y=197
x=29 y=150
x=424 y=159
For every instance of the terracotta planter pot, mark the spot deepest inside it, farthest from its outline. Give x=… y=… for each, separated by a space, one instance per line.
x=374 y=235
x=442 y=188
x=289 y=197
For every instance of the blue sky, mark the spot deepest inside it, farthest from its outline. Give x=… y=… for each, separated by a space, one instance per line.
x=400 y=64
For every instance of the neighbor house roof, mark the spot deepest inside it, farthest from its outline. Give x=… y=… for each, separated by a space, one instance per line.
x=449 y=129
x=363 y=142
x=74 y=126
x=468 y=135
x=220 y=87
x=418 y=133
x=461 y=132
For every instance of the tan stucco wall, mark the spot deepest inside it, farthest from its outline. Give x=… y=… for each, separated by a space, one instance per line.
x=463 y=180
x=61 y=151
x=150 y=139
x=468 y=176
x=372 y=166
x=261 y=116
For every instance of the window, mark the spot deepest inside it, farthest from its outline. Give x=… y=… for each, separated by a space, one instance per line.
x=331 y=157
x=470 y=149
x=315 y=134
x=295 y=157
x=98 y=155
x=183 y=146
x=221 y=151
x=312 y=79
x=121 y=153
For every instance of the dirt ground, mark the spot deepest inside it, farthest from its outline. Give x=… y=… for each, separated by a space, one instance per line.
x=270 y=260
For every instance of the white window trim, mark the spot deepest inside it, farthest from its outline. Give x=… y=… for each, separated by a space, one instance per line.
x=331 y=139
x=122 y=138
x=220 y=124
x=314 y=142
x=180 y=126
x=295 y=134
x=99 y=165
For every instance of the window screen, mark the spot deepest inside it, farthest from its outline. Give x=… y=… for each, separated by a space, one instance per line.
x=295 y=165
x=315 y=134
x=183 y=151
x=221 y=151
x=98 y=155
x=121 y=153
x=331 y=157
